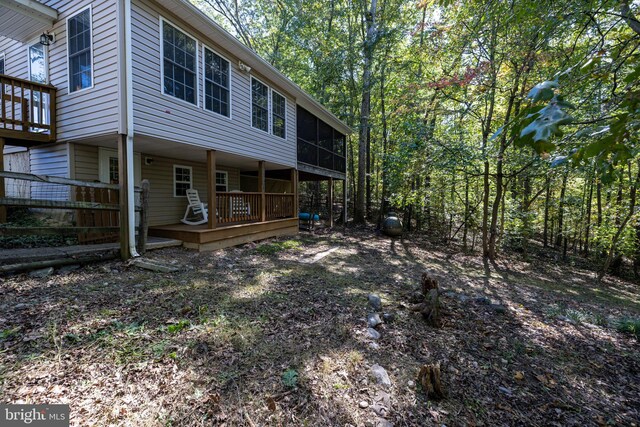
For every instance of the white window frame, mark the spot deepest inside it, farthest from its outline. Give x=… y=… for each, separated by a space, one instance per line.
x=271 y=114
x=226 y=180
x=197 y=64
x=93 y=81
x=268 y=130
x=204 y=82
x=4 y=62
x=182 y=182
x=46 y=60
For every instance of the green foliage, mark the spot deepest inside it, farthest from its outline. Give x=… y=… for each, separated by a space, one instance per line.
x=275 y=247
x=177 y=327
x=290 y=378
x=629 y=326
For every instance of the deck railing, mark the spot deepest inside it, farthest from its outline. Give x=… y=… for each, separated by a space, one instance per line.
x=27 y=110
x=279 y=206
x=244 y=207
x=237 y=207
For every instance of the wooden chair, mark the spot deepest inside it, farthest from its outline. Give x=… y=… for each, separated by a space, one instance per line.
x=195 y=209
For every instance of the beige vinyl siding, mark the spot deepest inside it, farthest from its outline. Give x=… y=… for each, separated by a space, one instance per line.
x=169 y=118
x=86 y=162
x=90 y=112
x=164 y=208
x=250 y=184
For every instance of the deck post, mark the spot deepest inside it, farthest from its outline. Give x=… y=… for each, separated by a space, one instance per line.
x=211 y=189
x=345 y=208
x=3 y=209
x=330 y=208
x=123 y=180
x=261 y=187
x=294 y=190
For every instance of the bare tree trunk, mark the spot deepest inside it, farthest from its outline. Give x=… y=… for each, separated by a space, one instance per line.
x=623 y=224
x=545 y=235
x=365 y=110
x=560 y=230
x=587 y=230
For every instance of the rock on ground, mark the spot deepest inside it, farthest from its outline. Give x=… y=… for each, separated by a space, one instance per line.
x=381 y=376
x=375 y=302
x=373 y=320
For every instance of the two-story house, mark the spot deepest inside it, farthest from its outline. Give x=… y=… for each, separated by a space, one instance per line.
x=125 y=90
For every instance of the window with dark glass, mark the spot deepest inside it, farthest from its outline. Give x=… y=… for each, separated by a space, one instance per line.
x=1 y=63
x=79 y=48
x=181 y=180
x=222 y=181
x=216 y=83
x=179 y=63
x=259 y=105
x=278 y=114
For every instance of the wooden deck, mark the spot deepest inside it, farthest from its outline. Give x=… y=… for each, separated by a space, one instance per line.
x=27 y=112
x=203 y=239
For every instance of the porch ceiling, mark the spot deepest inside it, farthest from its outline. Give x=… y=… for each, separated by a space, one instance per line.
x=23 y=20
x=155 y=147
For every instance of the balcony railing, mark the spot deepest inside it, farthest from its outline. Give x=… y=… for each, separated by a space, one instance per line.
x=27 y=110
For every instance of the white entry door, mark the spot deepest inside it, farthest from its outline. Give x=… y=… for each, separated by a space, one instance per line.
x=108 y=166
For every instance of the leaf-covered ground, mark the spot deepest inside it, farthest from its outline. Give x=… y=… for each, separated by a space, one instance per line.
x=275 y=334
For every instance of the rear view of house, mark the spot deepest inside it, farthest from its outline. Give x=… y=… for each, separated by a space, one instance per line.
x=120 y=91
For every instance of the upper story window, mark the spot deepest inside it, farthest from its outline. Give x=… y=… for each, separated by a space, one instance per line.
x=1 y=62
x=278 y=113
x=179 y=65
x=79 y=51
x=259 y=105
x=216 y=83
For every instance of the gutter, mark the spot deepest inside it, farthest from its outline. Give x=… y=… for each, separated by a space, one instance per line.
x=126 y=113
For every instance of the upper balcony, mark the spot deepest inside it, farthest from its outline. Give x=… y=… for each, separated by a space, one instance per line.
x=27 y=112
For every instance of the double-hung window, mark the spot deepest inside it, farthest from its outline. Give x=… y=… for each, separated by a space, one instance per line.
x=259 y=105
x=216 y=83
x=278 y=113
x=79 y=51
x=222 y=181
x=179 y=64
x=182 y=180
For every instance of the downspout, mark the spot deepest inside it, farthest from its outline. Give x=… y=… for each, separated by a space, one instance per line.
x=128 y=126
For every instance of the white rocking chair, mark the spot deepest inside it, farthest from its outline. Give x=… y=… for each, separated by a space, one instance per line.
x=197 y=208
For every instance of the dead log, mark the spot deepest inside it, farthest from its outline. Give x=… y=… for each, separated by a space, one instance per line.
x=429 y=379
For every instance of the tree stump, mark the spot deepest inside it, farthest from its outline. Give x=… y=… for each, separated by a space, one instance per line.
x=430 y=308
x=428 y=283
x=429 y=379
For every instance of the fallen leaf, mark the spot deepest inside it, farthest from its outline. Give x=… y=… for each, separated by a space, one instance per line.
x=519 y=375
x=271 y=404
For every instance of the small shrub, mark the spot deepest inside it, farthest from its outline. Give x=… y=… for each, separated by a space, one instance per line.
x=629 y=326
x=290 y=378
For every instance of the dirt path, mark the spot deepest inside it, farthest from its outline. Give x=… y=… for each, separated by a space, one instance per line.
x=276 y=334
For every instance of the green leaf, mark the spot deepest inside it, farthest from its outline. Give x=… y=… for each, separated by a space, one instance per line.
x=542 y=91
x=547 y=123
